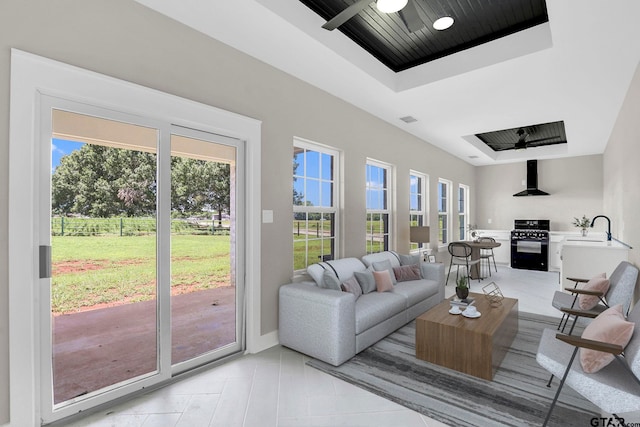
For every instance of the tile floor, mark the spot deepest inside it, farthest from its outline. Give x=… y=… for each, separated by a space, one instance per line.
x=276 y=388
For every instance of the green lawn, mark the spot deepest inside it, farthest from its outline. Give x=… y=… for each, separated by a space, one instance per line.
x=95 y=270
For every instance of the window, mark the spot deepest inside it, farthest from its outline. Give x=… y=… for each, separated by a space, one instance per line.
x=463 y=209
x=418 y=197
x=315 y=203
x=444 y=211
x=378 y=189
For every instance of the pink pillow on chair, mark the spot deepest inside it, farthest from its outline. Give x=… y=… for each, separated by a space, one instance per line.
x=611 y=327
x=598 y=283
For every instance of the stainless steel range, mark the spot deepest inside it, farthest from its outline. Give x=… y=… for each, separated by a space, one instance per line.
x=530 y=244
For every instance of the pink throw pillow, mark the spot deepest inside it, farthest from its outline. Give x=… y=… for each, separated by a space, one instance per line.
x=598 y=283
x=383 y=281
x=611 y=327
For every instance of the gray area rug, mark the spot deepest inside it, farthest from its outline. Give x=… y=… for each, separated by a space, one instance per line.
x=517 y=396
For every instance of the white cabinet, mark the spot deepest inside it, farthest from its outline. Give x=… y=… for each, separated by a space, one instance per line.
x=585 y=257
x=503 y=252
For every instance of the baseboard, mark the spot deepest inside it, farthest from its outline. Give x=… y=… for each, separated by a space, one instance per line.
x=264 y=342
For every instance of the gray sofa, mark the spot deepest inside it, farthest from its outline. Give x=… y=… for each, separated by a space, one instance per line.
x=333 y=326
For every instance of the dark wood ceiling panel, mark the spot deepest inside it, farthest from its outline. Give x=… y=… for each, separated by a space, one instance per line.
x=386 y=37
x=525 y=136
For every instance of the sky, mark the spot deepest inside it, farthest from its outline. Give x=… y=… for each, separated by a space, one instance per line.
x=60 y=148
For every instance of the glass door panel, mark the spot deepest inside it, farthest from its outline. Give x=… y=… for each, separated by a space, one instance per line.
x=103 y=238
x=204 y=297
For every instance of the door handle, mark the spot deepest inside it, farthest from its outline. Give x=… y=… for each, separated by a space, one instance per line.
x=45 y=262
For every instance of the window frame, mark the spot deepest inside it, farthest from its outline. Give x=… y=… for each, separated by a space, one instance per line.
x=422 y=213
x=334 y=209
x=386 y=212
x=463 y=211
x=444 y=233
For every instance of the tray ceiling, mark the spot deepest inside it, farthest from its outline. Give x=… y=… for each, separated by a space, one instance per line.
x=387 y=37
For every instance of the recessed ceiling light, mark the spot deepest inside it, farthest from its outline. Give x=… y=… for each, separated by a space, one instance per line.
x=443 y=23
x=390 y=6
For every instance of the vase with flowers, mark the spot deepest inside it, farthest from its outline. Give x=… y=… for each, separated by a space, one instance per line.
x=582 y=223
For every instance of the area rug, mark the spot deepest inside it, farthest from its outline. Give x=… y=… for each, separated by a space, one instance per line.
x=517 y=396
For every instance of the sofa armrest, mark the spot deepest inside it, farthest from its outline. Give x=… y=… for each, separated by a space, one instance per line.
x=318 y=322
x=433 y=271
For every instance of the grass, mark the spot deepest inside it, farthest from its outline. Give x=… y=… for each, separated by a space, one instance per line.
x=88 y=271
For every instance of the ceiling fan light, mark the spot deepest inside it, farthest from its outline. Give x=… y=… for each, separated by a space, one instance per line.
x=390 y=6
x=443 y=23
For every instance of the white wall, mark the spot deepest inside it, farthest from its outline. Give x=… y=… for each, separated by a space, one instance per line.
x=622 y=172
x=574 y=184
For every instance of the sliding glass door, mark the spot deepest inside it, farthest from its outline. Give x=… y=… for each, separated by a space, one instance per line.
x=141 y=254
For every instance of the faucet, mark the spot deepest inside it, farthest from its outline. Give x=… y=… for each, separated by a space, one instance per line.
x=608 y=226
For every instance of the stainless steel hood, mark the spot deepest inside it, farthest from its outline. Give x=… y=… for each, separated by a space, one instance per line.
x=532 y=181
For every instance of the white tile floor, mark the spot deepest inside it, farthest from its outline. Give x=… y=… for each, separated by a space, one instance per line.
x=276 y=388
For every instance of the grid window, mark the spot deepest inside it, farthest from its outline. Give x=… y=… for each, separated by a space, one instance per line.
x=315 y=204
x=378 y=195
x=444 y=211
x=417 y=204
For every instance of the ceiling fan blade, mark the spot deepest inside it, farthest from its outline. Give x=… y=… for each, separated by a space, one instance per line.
x=533 y=141
x=346 y=14
x=411 y=18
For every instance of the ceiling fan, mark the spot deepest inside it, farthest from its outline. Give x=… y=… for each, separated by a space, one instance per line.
x=405 y=8
x=523 y=143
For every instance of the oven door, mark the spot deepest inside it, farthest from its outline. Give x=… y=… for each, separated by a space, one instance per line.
x=530 y=254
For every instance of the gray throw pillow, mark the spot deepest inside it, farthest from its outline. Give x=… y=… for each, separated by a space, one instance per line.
x=330 y=281
x=385 y=265
x=409 y=259
x=352 y=286
x=366 y=281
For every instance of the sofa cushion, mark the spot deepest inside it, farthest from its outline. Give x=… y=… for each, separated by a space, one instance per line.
x=376 y=307
x=390 y=256
x=352 y=286
x=409 y=259
x=366 y=280
x=407 y=272
x=342 y=268
x=385 y=265
x=330 y=281
x=416 y=291
x=383 y=281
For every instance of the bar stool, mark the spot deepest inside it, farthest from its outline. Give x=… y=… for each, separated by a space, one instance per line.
x=487 y=254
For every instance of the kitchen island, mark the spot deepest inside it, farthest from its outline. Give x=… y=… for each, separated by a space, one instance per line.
x=584 y=257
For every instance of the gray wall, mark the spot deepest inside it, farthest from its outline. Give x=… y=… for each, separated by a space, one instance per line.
x=125 y=40
x=574 y=185
x=622 y=172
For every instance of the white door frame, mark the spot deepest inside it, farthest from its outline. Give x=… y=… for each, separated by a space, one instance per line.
x=31 y=76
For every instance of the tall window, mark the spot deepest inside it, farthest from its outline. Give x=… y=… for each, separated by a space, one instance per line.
x=444 y=211
x=315 y=203
x=378 y=206
x=418 y=197
x=463 y=209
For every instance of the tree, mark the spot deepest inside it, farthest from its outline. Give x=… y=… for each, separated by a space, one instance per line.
x=102 y=181
x=198 y=185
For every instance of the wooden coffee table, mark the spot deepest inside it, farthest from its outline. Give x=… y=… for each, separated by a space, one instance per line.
x=473 y=346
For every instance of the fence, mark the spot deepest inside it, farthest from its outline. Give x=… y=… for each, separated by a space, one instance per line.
x=64 y=226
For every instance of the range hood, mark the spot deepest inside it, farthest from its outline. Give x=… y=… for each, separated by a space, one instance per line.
x=532 y=181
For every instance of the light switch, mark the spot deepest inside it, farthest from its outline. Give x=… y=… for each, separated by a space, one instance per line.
x=489 y=220
x=267 y=216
